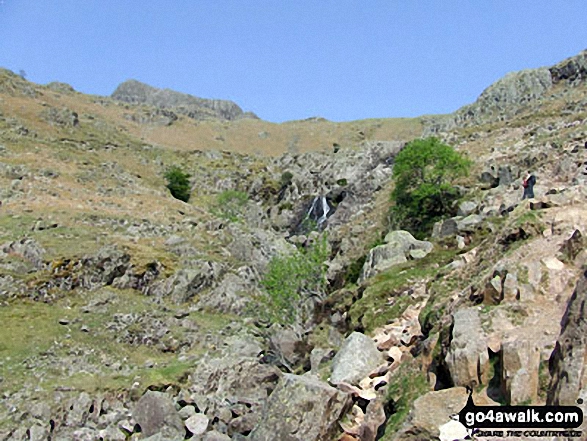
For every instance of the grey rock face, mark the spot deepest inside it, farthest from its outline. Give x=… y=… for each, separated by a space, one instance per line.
x=505 y=97
x=26 y=248
x=520 y=363
x=135 y=92
x=398 y=247
x=357 y=357
x=467 y=358
x=302 y=408
x=188 y=282
x=156 y=414
x=569 y=359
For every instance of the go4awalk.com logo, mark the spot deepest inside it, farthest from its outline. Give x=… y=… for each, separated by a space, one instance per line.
x=522 y=421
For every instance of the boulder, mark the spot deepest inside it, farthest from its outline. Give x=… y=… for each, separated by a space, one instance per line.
x=355 y=360
x=399 y=245
x=445 y=228
x=197 y=424
x=432 y=411
x=155 y=413
x=302 y=408
x=466 y=208
x=520 y=363
x=470 y=223
x=467 y=357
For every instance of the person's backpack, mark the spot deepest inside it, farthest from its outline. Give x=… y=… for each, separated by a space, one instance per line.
x=525 y=183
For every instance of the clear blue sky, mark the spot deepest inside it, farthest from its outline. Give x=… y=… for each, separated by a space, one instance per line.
x=292 y=59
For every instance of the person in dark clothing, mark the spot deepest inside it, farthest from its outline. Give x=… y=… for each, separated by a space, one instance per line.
x=528 y=185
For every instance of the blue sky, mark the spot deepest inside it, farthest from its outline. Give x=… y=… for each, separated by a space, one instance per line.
x=293 y=59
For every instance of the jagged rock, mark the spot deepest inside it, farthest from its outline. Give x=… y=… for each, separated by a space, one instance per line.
x=511 y=291
x=493 y=292
x=223 y=383
x=569 y=359
x=155 y=413
x=288 y=344
x=79 y=410
x=26 y=248
x=467 y=357
x=301 y=408
x=572 y=247
x=357 y=357
x=135 y=92
x=233 y=293
x=520 y=363
x=187 y=282
x=398 y=246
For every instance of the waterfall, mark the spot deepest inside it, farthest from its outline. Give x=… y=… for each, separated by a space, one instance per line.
x=319 y=210
x=325 y=211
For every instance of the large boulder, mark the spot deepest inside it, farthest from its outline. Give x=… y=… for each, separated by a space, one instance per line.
x=155 y=413
x=520 y=363
x=398 y=248
x=432 y=411
x=302 y=408
x=467 y=357
x=357 y=357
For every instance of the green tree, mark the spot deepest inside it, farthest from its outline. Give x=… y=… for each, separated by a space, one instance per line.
x=292 y=280
x=178 y=183
x=424 y=173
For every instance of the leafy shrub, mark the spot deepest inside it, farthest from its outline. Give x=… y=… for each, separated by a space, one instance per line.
x=292 y=280
x=178 y=183
x=423 y=172
x=286 y=178
x=230 y=205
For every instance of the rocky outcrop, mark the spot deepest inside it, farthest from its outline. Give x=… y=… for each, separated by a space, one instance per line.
x=398 y=248
x=520 y=364
x=507 y=96
x=302 y=408
x=467 y=358
x=357 y=357
x=135 y=92
x=569 y=359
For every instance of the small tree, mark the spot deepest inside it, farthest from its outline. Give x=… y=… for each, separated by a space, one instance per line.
x=292 y=281
x=424 y=172
x=178 y=183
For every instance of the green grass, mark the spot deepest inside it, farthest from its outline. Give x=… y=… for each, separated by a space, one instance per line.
x=31 y=331
x=406 y=385
x=382 y=300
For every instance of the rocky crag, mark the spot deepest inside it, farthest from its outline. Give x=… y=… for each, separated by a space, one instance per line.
x=128 y=314
x=135 y=92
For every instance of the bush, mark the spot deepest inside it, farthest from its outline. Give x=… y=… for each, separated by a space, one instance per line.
x=230 y=204
x=292 y=280
x=178 y=183
x=423 y=172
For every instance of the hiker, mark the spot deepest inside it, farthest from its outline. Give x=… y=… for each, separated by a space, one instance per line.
x=528 y=185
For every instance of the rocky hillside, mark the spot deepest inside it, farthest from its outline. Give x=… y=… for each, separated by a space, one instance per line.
x=135 y=92
x=128 y=314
